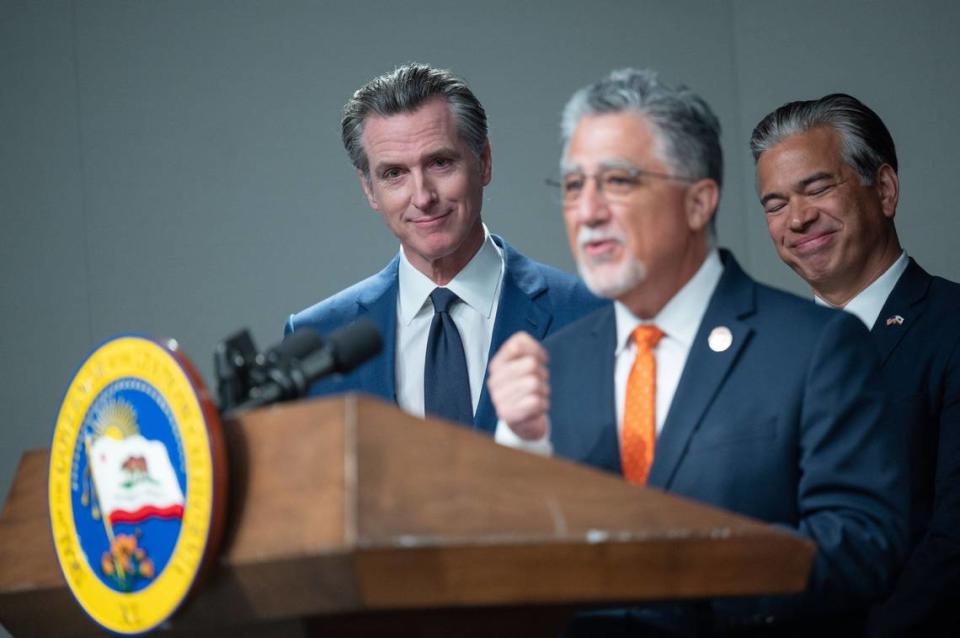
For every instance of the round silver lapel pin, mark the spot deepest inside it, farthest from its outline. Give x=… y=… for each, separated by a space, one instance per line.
x=720 y=338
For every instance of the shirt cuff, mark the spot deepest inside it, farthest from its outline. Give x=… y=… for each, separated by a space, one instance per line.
x=506 y=437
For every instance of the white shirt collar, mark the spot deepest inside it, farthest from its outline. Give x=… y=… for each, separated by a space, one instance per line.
x=868 y=303
x=680 y=318
x=477 y=284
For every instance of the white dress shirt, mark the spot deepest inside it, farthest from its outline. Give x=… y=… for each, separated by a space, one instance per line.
x=868 y=303
x=478 y=286
x=679 y=320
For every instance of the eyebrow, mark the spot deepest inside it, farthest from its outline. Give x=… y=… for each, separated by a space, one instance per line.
x=801 y=185
x=446 y=151
x=816 y=177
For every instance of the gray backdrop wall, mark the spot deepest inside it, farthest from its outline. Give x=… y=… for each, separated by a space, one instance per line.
x=175 y=168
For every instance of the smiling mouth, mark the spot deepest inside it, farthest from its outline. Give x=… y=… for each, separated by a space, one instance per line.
x=429 y=222
x=814 y=243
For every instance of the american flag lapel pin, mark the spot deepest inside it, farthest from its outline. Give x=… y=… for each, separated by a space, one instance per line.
x=895 y=320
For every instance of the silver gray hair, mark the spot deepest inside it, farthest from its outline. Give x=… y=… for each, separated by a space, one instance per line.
x=866 y=143
x=404 y=90
x=684 y=125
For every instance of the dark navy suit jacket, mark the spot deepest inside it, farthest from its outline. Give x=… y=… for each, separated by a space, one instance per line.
x=534 y=298
x=921 y=366
x=787 y=425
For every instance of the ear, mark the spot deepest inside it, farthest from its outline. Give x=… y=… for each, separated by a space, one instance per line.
x=887 y=184
x=701 y=203
x=368 y=190
x=486 y=166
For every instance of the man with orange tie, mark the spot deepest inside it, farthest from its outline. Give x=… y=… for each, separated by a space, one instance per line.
x=699 y=380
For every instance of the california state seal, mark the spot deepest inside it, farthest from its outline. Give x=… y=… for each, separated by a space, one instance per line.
x=136 y=483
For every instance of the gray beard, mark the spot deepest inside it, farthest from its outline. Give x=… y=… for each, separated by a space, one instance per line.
x=613 y=285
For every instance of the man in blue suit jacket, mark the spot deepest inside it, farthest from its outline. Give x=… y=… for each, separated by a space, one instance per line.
x=418 y=139
x=827 y=177
x=758 y=401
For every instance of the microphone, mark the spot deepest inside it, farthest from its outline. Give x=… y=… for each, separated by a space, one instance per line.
x=313 y=358
x=285 y=371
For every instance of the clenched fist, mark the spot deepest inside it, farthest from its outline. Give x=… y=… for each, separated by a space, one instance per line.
x=519 y=385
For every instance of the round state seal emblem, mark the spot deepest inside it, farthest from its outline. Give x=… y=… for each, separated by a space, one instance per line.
x=137 y=481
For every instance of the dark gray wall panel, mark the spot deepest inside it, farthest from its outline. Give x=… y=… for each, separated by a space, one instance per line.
x=45 y=323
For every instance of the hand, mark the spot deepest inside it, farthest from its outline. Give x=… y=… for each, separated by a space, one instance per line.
x=519 y=386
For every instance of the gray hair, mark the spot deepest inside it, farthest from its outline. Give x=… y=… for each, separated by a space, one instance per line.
x=867 y=144
x=686 y=129
x=404 y=90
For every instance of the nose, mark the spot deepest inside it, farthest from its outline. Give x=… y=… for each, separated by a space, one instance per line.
x=802 y=216
x=424 y=193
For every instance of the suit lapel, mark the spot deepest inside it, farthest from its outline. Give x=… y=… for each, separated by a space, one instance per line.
x=582 y=407
x=705 y=369
x=903 y=302
x=597 y=432
x=379 y=303
x=520 y=308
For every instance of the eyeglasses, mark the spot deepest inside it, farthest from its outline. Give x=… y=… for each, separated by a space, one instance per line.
x=613 y=183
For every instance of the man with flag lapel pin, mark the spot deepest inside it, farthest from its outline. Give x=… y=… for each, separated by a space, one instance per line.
x=699 y=380
x=827 y=179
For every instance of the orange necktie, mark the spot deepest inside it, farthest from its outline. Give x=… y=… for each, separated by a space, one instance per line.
x=640 y=408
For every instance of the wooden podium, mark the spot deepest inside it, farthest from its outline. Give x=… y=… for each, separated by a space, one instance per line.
x=349 y=517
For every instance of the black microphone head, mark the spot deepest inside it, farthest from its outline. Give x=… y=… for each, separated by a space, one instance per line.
x=354 y=344
x=297 y=345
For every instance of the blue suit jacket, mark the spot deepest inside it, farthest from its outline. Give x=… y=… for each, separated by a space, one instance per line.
x=534 y=298
x=787 y=425
x=921 y=366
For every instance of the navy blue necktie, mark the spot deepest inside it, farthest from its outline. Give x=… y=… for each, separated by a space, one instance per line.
x=446 y=383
